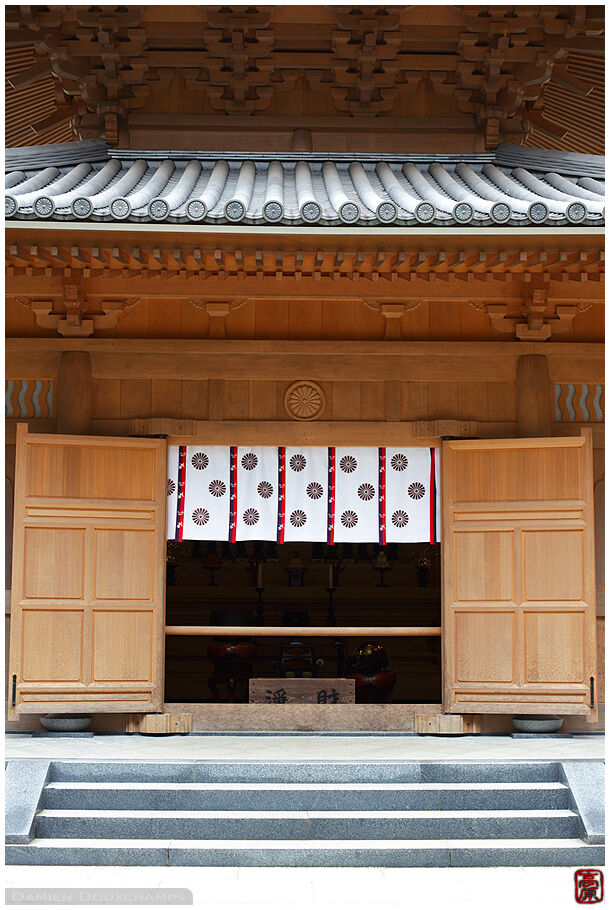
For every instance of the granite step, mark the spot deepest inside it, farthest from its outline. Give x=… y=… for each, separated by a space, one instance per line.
x=305 y=796
x=381 y=853
x=315 y=771
x=299 y=825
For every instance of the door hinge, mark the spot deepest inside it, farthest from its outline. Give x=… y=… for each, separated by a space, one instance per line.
x=14 y=690
x=592 y=691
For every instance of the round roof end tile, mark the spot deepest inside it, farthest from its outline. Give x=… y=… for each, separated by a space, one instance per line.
x=44 y=206
x=500 y=212
x=311 y=212
x=538 y=212
x=196 y=210
x=120 y=207
x=81 y=207
x=235 y=210
x=387 y=212
x=158 y=209
x=576 y=212
x=463 y=212
x=349 y=212
x=425 y=212
x=273 y=211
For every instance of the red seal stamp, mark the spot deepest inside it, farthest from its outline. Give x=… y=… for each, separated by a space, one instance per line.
x=589 y=886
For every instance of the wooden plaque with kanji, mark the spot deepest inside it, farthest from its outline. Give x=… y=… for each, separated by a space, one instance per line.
x=302 y=691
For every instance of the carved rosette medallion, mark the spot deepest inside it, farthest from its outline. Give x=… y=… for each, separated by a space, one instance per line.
x=304 y=400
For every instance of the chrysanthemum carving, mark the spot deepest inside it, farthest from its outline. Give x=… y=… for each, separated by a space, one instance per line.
x=304 y=400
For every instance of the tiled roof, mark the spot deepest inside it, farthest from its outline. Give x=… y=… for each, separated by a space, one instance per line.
x=511 y=186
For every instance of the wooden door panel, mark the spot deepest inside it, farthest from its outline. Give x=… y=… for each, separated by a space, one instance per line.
x=518 y=576
x=554 y=647
x=517 y=473
x=494 y=660
x=53 y=561
x=114 y=471
x=553 y=565
x=122 y=645
x=486 y=561
x=62 y=658
x=124 y=564
x=89 y=531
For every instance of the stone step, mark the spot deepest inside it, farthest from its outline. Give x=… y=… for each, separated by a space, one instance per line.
x=382 y=853
x=319 y=771
x=323 y=796
x=282 y=825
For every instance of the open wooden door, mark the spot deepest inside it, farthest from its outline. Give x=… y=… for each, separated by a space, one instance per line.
x=88 y=597
x=519 y=576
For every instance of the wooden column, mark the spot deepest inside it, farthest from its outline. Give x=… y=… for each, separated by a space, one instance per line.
x=74 y=393
x=533 y=396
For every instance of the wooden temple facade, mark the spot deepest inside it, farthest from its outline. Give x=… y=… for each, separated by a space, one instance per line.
x=236 y=228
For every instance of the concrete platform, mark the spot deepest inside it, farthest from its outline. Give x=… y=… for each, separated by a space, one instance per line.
x=307 y=747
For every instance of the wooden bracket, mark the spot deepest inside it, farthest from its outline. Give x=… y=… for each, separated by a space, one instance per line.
x=393 y=311
x=535 y=318
x=217 y=310
x=76 y=320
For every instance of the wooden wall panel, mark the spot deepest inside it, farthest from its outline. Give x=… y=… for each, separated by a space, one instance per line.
x=165 y=398
x=372 y=401
x=135 y=397
x=263 y=401
x=472 y=400
x=346 y=401
x=194 y=398
x=443 y=400
x=236 y=400
x=414 y=401
x=501 y=401
x=106 y=401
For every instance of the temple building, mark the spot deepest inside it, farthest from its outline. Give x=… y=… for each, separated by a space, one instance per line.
x=304 y=367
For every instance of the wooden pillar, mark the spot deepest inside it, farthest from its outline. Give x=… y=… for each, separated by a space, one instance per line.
x=533 y=396
x=74 y=393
